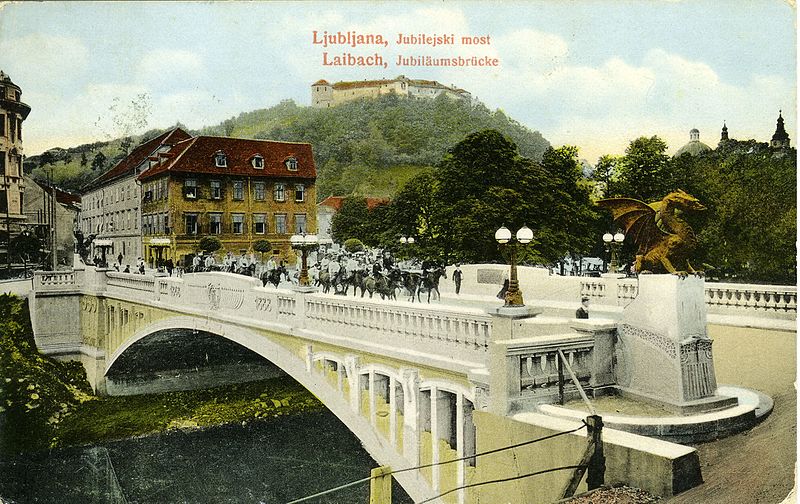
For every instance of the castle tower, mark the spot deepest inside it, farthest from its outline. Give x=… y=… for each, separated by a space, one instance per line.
x=780 y=138
x=724 y=135
x=321 y=94
x=12 y=113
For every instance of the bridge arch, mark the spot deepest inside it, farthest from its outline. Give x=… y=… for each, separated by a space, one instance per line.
x=302 y=371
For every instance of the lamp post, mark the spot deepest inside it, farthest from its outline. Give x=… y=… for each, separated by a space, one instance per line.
x=504 y=237
x=304 y=243
x=613 y=243
x=407 y=241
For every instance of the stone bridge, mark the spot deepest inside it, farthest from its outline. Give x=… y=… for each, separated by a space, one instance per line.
x=411 y=381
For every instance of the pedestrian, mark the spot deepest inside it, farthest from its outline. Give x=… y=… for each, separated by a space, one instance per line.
x=170 y=266
x=141 y=266
x=583 y=311
x=119 y=258
x=127 y=268
x=458 y=275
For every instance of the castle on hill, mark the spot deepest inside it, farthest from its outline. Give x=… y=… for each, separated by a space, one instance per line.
x=325 y=94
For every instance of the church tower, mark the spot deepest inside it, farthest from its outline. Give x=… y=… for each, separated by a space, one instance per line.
x=780 y=139
x=724 y=135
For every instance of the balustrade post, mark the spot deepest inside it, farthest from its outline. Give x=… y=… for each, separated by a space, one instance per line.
x=411 y=417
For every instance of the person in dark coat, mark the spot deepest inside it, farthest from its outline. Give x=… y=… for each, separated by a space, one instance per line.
x=458 y=275
x=170 y=266
x=502 y=293
x=583 y=311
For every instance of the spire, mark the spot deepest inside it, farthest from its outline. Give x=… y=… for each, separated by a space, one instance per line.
x=724 y=132
x=780 y=138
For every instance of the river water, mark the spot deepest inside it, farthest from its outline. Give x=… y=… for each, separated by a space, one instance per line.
x=269 y=461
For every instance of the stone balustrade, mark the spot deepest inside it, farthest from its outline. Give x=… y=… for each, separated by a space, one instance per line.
x=750 y=299
x=54 y=280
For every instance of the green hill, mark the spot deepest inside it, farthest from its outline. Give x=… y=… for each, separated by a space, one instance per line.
x=368 y=147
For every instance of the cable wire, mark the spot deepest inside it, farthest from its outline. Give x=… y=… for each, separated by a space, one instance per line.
x=368 y=478
x=510 y=447
x=502 y=480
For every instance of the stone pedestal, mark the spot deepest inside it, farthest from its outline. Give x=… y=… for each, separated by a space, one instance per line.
x=663 y=352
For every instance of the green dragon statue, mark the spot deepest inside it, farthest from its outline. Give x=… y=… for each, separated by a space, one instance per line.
x=665 y=240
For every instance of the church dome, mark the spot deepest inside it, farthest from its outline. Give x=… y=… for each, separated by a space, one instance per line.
x=695 y=147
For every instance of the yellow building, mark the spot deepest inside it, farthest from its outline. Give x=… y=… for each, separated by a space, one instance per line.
x=12 y=113
x=238 y=190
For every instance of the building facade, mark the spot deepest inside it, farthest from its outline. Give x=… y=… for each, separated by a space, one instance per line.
x=238 y=190
x=325 y=94
x=12 y=113
x=40 y=214
x=111 y=206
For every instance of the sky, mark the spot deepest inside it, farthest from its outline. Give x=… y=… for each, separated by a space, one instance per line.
x=591 y=73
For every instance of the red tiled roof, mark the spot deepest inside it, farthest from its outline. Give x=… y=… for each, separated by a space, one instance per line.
x=196 y=155
x=62 y=196
x=321 y=82
x=139 y=155
x=335 y=202
x=365 y=83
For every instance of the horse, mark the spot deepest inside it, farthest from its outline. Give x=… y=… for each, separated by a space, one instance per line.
x=430 y=282
x=273 y=276
x=386 y=285
x=411 y=282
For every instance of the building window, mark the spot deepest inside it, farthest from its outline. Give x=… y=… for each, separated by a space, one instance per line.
x=259 y=191
x=238 y=189
x=291 y=164
x=215 y=223
x=259 y=223
x=300 y=223
x=190 y=188
x=216 y=189
x=166 y=224
x=280 y=192
x=220 y=160
x=191 y=224
x=2 y=125
x=280 y=223
x=258 y=162
x=238 y=223
x=299 y=193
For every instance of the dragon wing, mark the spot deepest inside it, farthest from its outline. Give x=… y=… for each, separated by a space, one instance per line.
x=640 y=220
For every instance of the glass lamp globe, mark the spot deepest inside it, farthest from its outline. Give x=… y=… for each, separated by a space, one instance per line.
x=502 y=235
x=619 y=237
x=608 y=237
x=411 y=240
x=524 y=235
x=403 y=240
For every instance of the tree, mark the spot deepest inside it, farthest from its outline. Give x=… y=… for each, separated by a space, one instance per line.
x=209 y=244
x=353 y=245
x=84 y=160
x=643 y=172
x=351 y=220
x=99 y=161
x=27 y=248
x=262 y=247
x=605 y=174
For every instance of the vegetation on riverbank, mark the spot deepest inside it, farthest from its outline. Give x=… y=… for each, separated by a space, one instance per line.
x=48 y=404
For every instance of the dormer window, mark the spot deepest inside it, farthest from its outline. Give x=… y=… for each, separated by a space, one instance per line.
x=220 y=159
x=258 y=162
x=291 y=164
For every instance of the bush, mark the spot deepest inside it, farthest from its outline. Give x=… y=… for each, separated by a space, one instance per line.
x=353 y=245
x=210 y=244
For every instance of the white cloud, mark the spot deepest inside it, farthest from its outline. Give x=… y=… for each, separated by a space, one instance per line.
x=46 y=59
x=164 y=68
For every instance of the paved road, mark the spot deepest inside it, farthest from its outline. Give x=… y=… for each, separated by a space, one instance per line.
x=757 y=466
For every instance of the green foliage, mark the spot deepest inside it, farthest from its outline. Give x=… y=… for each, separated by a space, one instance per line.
x=749 y=231
x=37 y=393
x=351 y=221
x=26 y=247
x=353 y=245
x=482 y=183
x=99 y=161
x=209 y=244
x=262 y=246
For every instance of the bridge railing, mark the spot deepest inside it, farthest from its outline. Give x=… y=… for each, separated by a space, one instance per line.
x=54 y=280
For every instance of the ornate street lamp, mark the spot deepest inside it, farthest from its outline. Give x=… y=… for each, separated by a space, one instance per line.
x=305 y=243
x=407 y=241
x=613 y=243
x=504 y=237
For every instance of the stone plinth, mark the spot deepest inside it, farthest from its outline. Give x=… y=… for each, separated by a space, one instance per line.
x=663 y=352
